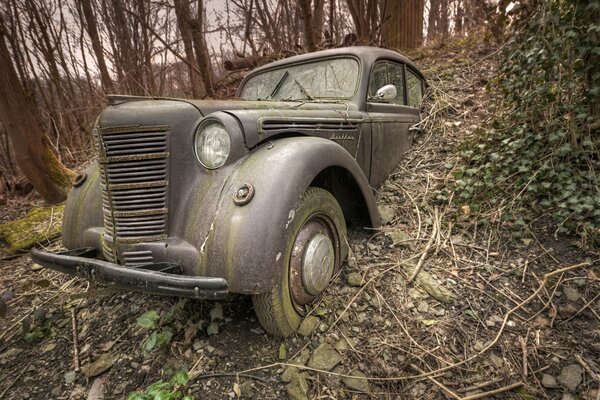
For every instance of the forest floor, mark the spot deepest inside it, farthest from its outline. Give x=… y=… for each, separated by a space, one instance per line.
x=488 y=315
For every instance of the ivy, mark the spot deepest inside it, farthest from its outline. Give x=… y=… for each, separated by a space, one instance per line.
x=540 y=156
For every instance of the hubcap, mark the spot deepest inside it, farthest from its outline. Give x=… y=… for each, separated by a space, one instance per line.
x=317 y=265
x=314 y=260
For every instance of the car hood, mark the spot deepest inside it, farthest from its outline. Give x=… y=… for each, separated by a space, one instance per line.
x=263 y=119
x=207 y=107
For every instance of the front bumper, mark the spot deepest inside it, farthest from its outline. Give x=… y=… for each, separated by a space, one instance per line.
x=158 y=278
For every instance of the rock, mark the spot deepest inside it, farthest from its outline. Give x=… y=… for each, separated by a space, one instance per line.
x=325 y=357
x=431 y=285
x=387 y=214
x=103 y=363
x=70 y=377
x=572 y=293
x=216 y=313
x=355 y=279
x=301 y=358
x=308 y=325
x=288 y=373
x=97 y=390
x=570 y=376
x=496 y=360
x=423 y=307
x=55 y=393
x=549 y=382
x=212 y=329
x=343 y=344
x=359 y=384
x=282 y=351
x=258 y=331
x=400 y=238
x=246 y=390
x=297 y=389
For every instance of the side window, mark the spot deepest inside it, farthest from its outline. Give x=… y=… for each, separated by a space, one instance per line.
x=396 y=78
x=415 y=89
x=385 y=73
x=378 y=78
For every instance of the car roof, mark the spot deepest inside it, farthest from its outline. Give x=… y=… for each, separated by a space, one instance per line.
x=365 y=53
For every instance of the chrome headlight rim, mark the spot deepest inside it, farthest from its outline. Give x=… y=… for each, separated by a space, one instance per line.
x=200 y=130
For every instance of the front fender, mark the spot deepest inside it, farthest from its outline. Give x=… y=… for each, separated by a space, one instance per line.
x=245 y=244
x=82 y=221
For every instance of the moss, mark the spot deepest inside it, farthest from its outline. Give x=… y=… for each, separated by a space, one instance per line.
x=40 y=225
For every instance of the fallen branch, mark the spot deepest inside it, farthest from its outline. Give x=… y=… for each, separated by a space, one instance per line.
x=432 y=239
x=443 y=369
x=75 y=340
x=493 y=392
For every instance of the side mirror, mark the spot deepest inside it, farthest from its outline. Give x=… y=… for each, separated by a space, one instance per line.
x=385 y=94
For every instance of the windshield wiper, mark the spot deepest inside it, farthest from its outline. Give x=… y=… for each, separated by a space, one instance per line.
x=278 y=86
x=303 y=89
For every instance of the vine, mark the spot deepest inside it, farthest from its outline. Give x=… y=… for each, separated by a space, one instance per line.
x=540 y=155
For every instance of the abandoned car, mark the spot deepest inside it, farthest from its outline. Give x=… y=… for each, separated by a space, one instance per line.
x=200 y=198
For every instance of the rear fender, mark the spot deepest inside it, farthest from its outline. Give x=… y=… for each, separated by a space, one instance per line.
x=246 y=244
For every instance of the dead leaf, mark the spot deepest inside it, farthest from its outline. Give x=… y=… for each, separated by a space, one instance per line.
x=190 y=333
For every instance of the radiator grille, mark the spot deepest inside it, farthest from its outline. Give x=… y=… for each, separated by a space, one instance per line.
x=134 y=179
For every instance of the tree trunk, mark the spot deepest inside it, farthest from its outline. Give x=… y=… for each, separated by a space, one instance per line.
x=182 y=12
x=432 y=20
x=35 y=155
x=309 y=25
x=403 y=24
x=201 y=50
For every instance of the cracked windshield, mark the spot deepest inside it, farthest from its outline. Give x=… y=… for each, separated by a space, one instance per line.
x=328 y=79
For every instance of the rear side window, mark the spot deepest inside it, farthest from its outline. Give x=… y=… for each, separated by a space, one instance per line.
x=415 y=89
x=385 y=73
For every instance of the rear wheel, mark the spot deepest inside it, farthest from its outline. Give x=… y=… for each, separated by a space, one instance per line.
x=316 y=247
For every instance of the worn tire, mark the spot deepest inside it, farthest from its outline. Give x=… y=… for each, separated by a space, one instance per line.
x=276 y=310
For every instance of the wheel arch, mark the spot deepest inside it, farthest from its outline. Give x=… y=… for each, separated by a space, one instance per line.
x=342 y=185
x=245 y=243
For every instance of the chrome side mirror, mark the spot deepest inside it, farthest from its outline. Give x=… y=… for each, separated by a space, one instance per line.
x=385 y=94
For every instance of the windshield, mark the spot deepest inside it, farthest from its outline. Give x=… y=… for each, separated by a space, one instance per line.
x=325 y=79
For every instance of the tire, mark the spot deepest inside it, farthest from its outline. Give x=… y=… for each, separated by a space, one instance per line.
x=317 y=231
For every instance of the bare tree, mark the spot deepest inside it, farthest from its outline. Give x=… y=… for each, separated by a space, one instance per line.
x=35 y=156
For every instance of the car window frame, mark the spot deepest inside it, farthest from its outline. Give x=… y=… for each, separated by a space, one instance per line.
x=310 y=61
x=421 y=79
x=404 y=69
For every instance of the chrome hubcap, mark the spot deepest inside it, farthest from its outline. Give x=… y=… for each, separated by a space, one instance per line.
x=314 y=260
x=317 y=264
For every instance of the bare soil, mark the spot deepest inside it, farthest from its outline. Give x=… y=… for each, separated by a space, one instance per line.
x=479 y=319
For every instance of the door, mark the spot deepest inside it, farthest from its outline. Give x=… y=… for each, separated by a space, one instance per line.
x=390 y=121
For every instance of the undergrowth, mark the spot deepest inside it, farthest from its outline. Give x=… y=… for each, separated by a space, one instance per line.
x=540 y=155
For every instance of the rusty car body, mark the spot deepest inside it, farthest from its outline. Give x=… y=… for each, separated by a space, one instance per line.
x=199 y=198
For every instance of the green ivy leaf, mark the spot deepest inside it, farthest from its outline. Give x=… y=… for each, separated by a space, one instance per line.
x=148 y=319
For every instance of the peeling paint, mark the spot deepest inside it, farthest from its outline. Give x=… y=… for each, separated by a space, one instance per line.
x=212 y=227
x=291 y=216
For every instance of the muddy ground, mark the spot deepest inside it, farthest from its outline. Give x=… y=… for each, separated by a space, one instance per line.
x=489 y=315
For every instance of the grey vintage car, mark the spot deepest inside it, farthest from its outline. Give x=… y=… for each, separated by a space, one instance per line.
x=199 y=198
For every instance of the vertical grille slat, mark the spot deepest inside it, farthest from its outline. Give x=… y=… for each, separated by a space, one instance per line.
x=134 y=180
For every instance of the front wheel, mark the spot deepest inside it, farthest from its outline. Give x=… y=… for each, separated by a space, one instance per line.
x=316 y=247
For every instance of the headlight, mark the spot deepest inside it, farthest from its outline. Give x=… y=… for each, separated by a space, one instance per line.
x=212 y=144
